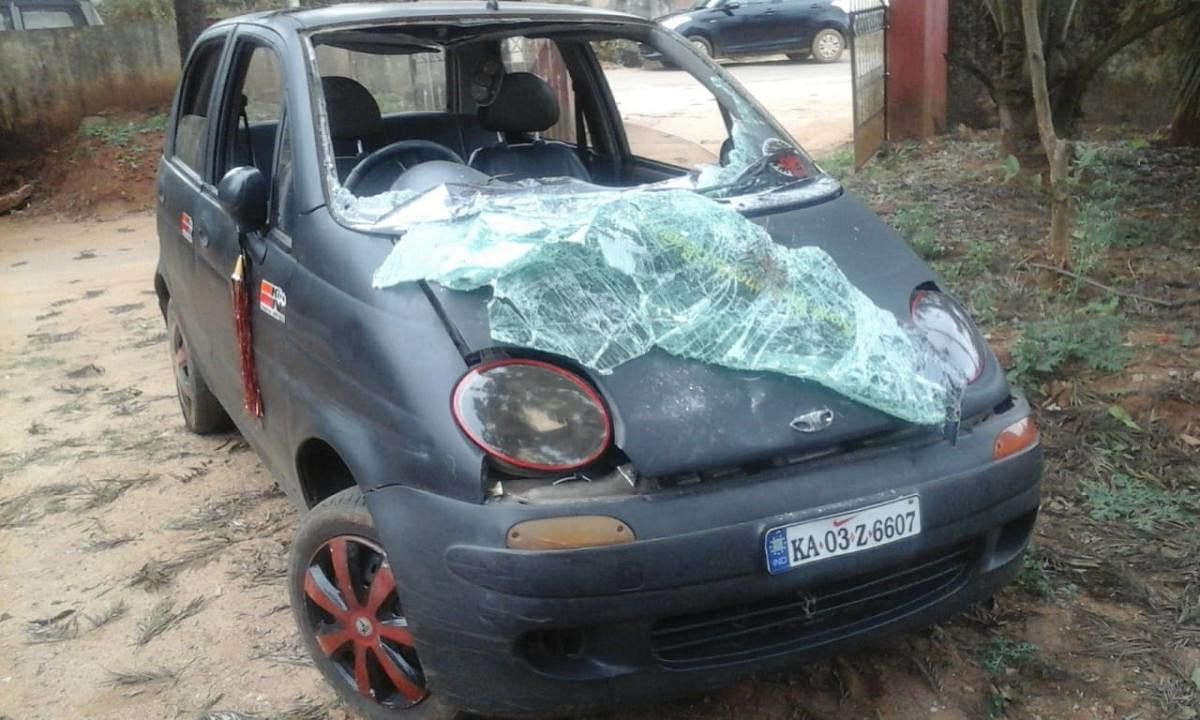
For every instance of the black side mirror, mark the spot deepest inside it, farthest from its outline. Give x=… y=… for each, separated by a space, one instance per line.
x=244 y=194
x=731 y=5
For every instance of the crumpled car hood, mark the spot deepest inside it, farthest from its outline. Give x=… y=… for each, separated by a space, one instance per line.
x=676 y=415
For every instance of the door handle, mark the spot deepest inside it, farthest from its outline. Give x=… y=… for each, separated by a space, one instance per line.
x=771 y=11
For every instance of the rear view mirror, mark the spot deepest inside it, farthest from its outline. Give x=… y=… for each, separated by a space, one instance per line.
x=244 y=194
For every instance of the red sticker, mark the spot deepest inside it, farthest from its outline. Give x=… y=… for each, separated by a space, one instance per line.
x=185 y=226
x=272 y=300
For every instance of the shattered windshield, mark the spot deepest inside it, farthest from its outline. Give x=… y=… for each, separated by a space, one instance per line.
x=601 y=252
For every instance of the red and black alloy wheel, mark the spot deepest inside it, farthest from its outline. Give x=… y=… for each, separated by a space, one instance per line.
x=354 y=614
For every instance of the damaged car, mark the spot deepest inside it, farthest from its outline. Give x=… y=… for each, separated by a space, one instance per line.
x=587 y=403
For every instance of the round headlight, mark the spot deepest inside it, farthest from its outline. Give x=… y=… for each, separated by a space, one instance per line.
x=950 y=332
x=532 y=415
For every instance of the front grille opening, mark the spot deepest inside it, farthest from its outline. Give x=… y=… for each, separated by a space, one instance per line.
x=553 y=648
x=807 y=618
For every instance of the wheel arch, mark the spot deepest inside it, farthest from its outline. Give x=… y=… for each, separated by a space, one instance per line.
x=162 y=292
x=707 y=37
x=321 y=471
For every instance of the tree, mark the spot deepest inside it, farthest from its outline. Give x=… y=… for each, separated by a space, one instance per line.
x=190 y=19
x=1185 y=128
x=1076 y=39
x=1058 y=151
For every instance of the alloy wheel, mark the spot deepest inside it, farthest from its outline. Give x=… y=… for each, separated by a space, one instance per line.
x=829 y=45
x=355 y=616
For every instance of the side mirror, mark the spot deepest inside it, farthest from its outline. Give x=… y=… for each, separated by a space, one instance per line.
x=244 y=194
x=731 y=5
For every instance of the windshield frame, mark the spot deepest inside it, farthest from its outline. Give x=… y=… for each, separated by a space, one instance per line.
x=735 y=102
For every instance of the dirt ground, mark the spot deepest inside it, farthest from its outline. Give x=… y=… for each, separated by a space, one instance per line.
x=143 y=566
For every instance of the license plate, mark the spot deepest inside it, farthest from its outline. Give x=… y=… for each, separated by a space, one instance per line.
x=791 y=546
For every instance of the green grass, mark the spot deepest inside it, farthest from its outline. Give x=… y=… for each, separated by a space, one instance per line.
x=1032 y=577
x=1002 y=653
x=1128 y=499
x=838 y=163
x=1092 y=336
x=124 y=133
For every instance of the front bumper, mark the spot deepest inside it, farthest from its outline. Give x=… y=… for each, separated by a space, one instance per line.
x=690 y=605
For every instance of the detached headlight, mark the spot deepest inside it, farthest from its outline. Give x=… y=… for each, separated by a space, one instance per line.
x=532 y=415
x=950 y=331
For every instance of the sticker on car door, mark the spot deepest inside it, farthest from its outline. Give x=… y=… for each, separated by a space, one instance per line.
x=272 y=300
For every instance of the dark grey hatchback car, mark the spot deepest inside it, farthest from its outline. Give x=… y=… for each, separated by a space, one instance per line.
x=585 y=407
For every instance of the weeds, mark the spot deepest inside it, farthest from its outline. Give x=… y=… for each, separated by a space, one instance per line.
x=164 y=616
x=1141 y=505
x=840 y=162
x=1092 y=336
x=917 y=223
x=111 y=132
x=1002 y=653
x=1032 y=576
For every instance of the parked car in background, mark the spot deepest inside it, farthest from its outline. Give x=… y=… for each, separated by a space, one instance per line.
x=45 y=14
x=729 y=28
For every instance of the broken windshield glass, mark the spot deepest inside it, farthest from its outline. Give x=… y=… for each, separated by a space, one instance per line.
x=603 y=276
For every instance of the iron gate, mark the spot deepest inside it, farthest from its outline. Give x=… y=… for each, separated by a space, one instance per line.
x=868 y=64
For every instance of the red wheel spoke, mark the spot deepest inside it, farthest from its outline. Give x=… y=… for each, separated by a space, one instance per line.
x=361 y=678
x=396 y=634
x=398 y=675
x=338 y=550
x=381 y=587
x=322 y=592
x=333 y=640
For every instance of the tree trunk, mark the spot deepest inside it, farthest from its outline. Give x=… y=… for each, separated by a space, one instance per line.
x=1185 y=128
x=1018 y=121
x=1058 y=152
x=190 y=21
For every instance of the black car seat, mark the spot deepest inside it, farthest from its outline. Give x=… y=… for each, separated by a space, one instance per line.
x=525 y=106
x=355 y=123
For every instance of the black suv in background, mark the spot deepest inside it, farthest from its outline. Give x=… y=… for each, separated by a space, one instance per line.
x=728 y=28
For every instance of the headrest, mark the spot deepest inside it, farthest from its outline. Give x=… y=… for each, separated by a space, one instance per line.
x=352 y=110
x=524 y=104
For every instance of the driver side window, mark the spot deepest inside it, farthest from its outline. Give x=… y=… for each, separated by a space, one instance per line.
x=253 y=111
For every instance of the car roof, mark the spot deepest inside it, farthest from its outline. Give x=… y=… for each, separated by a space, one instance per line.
x=425 y=10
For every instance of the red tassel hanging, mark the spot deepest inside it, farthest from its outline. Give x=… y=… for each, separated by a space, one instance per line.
x=251 y=398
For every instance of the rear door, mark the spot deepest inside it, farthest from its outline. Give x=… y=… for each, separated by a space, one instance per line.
x=795 y=23
x=184 y=171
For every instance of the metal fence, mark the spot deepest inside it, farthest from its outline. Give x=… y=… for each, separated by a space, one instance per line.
x=868 y=62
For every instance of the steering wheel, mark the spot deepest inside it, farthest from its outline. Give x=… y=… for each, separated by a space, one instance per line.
x=377 y=171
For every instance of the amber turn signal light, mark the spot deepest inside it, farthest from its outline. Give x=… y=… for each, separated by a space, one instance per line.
x=1015 y=438
x=565 y=533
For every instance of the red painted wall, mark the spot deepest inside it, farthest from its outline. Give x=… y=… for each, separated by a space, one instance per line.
x=918 y=38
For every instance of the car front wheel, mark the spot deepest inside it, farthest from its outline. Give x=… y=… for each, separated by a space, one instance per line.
x=346 y=603
x=702 y=45
x=827 y=46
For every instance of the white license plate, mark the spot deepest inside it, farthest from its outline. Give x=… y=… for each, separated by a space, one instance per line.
x=791 y=546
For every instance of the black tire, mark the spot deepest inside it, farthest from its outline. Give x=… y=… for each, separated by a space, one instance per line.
x=343 y=521
x=702 y=45
x=828 y=46
x=202 y=412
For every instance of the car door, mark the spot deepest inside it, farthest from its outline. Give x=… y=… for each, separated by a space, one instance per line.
x=251 y=122
x=745 y=26
x=184 y=171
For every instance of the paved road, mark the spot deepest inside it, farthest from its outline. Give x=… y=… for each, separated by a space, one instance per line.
x=812 y=101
